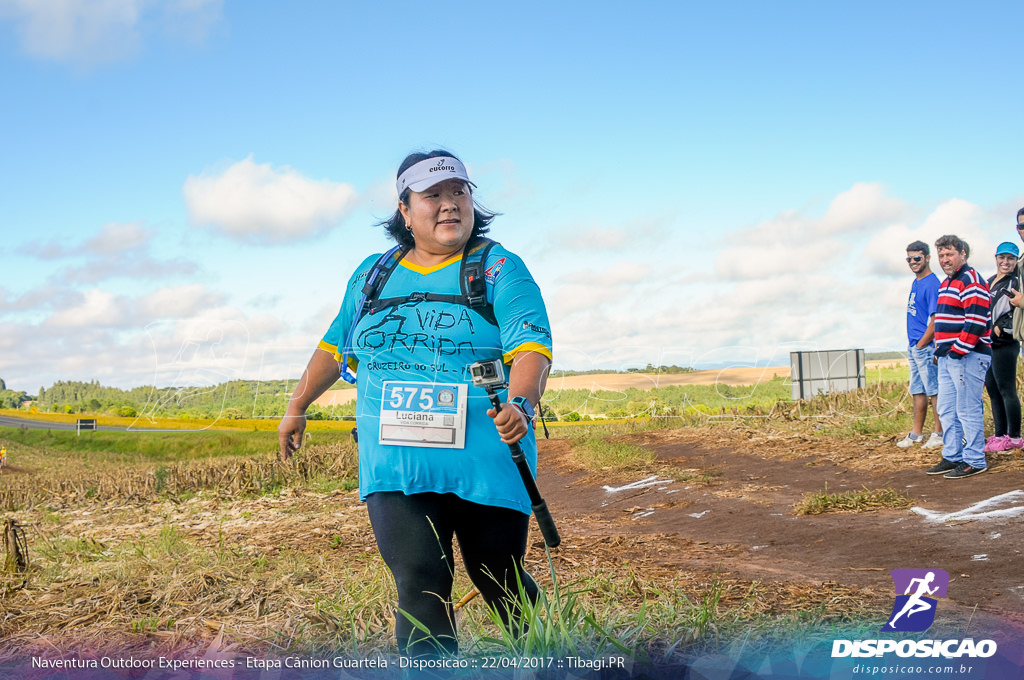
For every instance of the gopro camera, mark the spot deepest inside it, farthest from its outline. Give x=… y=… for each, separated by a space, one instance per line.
x=488 y=373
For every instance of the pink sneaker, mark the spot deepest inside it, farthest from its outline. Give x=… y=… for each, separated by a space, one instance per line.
x=997 y=444
x=1012 y=443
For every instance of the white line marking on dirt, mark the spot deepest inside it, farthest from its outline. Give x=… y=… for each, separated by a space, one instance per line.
x=698 y=515
x=994 y=535
x=650 y=481
x=980 y=510
x=980 y=558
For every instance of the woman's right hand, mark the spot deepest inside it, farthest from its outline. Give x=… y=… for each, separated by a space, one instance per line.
x=289 y=433
x=1016 y=298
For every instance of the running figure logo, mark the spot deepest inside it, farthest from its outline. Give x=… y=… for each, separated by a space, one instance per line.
x=914 y=610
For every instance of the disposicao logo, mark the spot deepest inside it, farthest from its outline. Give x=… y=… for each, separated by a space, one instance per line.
x=914 y=611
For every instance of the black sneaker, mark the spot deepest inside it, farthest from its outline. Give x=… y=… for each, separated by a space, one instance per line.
x=943 y=467
x=964 y=470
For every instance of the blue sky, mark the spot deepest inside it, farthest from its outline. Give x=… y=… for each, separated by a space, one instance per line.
x=185 y=185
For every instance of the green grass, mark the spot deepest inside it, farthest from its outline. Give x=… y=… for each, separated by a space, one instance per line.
x=152 y=446
x=761 y=398
x=597 y=453
x=865 y=499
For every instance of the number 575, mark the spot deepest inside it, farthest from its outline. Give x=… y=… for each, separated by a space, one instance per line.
x=404 y=397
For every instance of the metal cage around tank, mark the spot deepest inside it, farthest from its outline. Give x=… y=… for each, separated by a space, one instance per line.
x=826 y=371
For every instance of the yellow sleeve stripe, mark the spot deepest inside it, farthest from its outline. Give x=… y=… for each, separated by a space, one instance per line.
x=330 y=349
x=526 y=347
x=333 y=350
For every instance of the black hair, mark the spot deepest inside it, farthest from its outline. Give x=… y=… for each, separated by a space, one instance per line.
x=1020 y=213
x=395 y=225
x=918 y=247
x=950 y=241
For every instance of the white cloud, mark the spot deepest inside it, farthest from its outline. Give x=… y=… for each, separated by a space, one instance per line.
x=48 y=296
x=954 y=216
x=116 y=237
x=95 y=308
x=636 y=234
x=792 y=282
x=139 y=266
x=113 y=237
x=257 y=203
x=759 y=262
x=178 y=302
x=618 y=273
x=862 y=206
x=886 y=250
x=46 y=251
x=174 y=336
x=92 y=32
x=794 y=242
x=118 y=250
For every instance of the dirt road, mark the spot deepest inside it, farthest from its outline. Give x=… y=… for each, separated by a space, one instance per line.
x=737 y=515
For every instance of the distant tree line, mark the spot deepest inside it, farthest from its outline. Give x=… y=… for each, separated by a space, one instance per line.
x=650 y=368
x=235 y=399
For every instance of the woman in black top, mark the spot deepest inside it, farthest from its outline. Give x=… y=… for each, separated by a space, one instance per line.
x=1001 y=379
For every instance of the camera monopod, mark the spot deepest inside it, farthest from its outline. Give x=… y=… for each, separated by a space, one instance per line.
x=491 y=376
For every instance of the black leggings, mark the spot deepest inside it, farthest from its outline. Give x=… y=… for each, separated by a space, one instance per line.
x=414 y=533
x=1001 y=384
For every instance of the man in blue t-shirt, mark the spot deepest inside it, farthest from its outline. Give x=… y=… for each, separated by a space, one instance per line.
x=924 y=383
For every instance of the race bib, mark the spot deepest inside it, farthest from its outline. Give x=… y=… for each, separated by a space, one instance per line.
x=423 y=414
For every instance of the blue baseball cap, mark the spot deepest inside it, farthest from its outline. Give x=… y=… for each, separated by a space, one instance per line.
x=1008 y=248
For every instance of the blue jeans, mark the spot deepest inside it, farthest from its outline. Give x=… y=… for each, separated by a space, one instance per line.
x=961 y=410
x=923 y=373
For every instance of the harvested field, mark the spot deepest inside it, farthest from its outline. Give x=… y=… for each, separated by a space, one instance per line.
x=229 y=558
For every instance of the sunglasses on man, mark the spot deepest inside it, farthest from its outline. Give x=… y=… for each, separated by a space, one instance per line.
x=917 y=258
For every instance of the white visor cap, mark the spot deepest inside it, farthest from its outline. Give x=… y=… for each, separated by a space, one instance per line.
x=429 y=172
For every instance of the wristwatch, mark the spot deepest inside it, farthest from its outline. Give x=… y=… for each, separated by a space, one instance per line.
x=524 y=405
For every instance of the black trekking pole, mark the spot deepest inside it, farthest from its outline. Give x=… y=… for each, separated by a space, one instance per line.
x=490 y=375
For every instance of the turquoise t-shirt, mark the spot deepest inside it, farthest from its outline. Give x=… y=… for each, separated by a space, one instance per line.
x=421 y=350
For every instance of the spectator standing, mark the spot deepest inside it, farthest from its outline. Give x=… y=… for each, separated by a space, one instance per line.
x=924 y=384
x=1001 y=379
x=1017 y=297
x=962 y=345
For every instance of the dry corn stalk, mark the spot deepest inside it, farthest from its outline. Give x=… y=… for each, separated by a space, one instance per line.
x=15 y=548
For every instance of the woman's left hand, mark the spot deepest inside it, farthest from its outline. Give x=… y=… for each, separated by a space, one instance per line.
x=511 y=423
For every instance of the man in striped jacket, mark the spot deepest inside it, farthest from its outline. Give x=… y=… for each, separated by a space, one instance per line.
x=962 y=348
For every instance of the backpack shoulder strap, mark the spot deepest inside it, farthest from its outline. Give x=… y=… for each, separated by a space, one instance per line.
x=473 y=278
x=375 y=280
x=379 y=275
x=472 y=284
